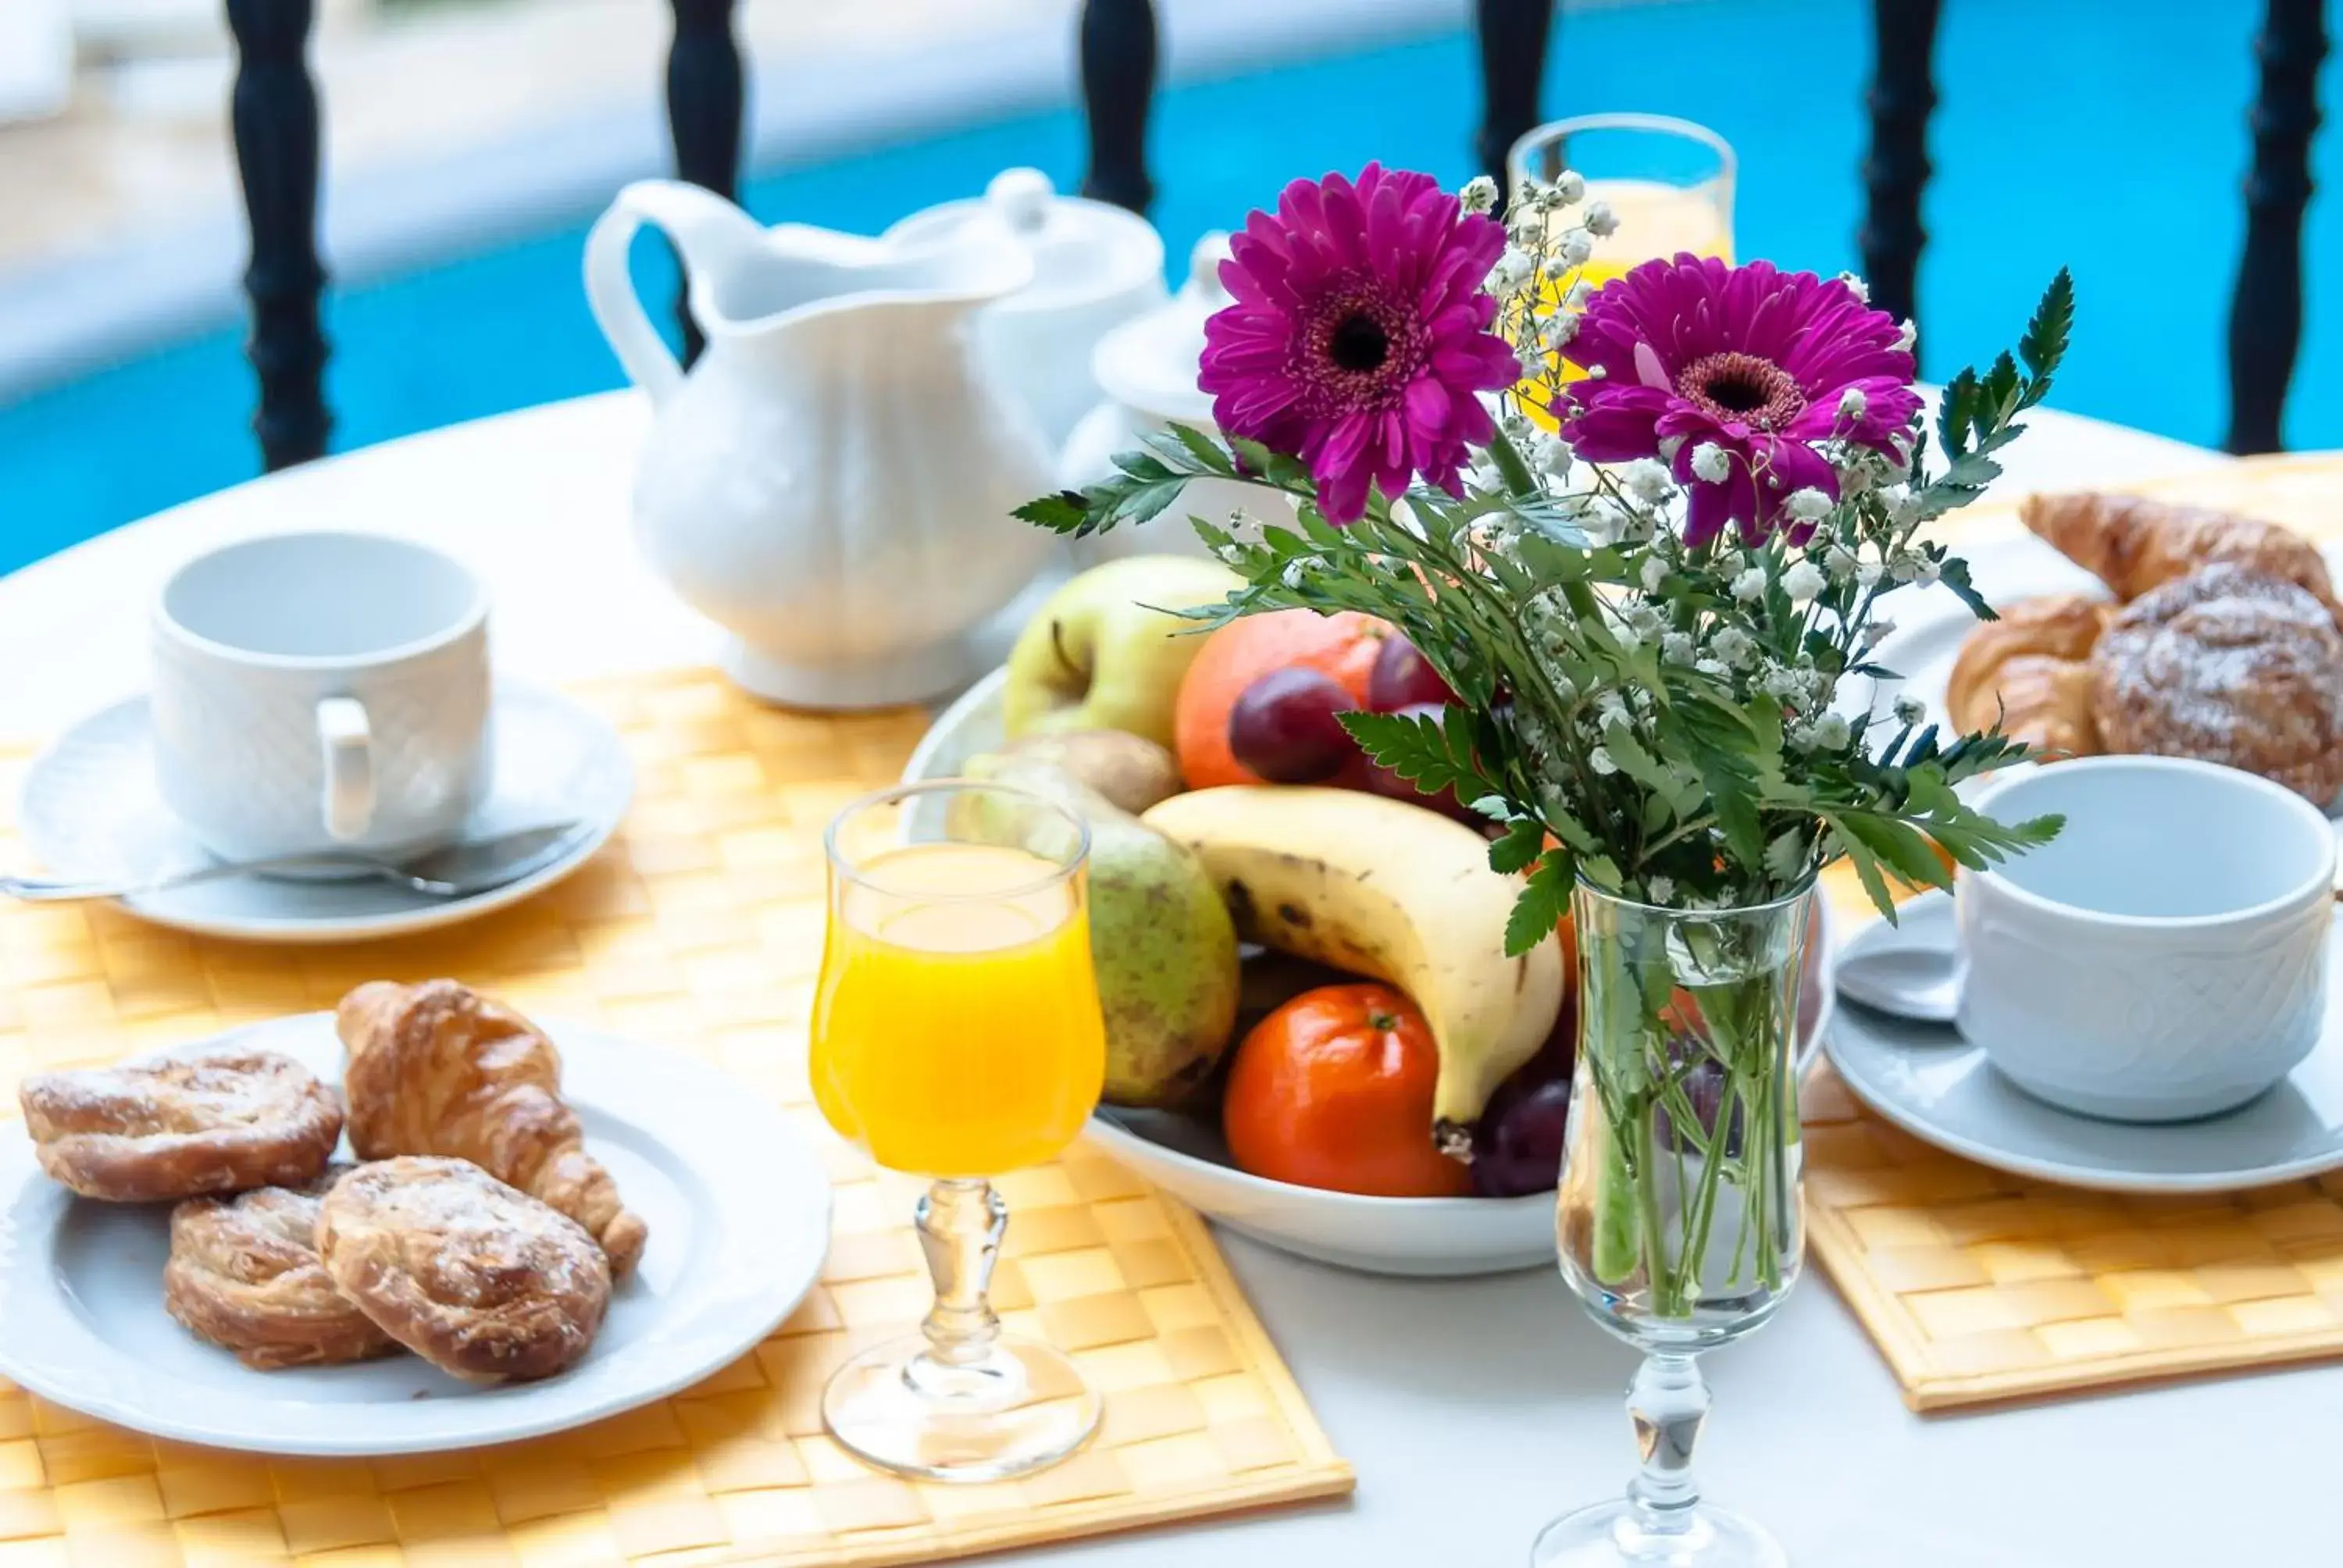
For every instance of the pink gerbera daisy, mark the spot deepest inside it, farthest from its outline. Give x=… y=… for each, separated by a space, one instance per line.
x=1753 y=361
x=1359 y=338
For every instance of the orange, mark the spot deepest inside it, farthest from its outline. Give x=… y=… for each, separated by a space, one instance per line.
x=1334 y=1089
x=1342 y=645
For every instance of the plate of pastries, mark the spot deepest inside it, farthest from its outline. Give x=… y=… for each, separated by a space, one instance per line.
x=413 y=1224
x=2155 y=627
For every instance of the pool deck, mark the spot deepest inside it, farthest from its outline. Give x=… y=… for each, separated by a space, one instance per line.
x=450 y=124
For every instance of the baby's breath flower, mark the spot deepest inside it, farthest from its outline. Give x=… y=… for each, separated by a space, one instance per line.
x=1910 y=710
x=1291 y=576
x=1904 y=566
x=1526 y=225
x=1580 y=293
x=1479 y=195
x=1532 y=357
x=1928 y=571
x=1716 y=668
x=1669 y=447
x=1653 y=573
x=1600 y=760
x=1554 y=268
x=1801 y=737
x=1749 y=586
x=1807 y=505
x=1675 y=647
x=1731 y=645
x=1830 y=732
x=1780 y=680
x=1903 y=506
x=1648 y=480
x=1556 y=331
x=1576 y=247
x=1802 y=581
x=1661 y=888
x=1513 y=269
x=1877 y=631
x=1643 y=621
x=1906 y=336
x=1570 y=185
x=1603 y=520
x=1856 y=286
x=1853 y=405
x=1711 y=462
x=1517 y=428
x=1600 y=220
x=1867 y=574
x=1609 y=708
x=1840 y=562
x=1550 y=454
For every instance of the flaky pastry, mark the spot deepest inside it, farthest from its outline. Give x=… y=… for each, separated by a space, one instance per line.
x=245 y=1275
x=2028 y=672
x=438 y=1069
x=182 y=1128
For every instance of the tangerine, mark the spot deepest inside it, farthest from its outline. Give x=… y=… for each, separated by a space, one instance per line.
x=1334 y=1089
x=1342 y=646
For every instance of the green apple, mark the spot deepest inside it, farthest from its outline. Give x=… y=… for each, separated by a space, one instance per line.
x=1106 y=653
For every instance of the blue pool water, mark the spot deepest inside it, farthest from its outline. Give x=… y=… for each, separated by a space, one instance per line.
x=2107 y=135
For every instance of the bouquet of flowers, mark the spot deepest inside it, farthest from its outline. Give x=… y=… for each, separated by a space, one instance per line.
x=1646 y=533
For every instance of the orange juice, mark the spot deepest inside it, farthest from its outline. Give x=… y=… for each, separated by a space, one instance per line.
x=956 y=1026
x=1655 y=219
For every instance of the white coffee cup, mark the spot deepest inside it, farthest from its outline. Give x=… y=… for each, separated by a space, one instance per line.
x=2165 y=956
x=321 y=692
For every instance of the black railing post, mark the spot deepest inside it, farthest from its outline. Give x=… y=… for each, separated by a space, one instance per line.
x=274 y=113
x=1514 y=34
x=704 y=112
x=2266 y=311
x=1118 y=51
x=1902 y=97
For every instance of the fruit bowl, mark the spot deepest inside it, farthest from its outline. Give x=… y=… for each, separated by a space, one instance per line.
x=1433 y=1237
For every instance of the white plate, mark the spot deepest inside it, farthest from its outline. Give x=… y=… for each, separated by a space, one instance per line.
x=1928 y=1080
x=739 y=1210
x=90 y=808
x=1442 y=1237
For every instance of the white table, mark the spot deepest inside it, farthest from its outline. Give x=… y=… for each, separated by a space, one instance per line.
x=1473 y=1411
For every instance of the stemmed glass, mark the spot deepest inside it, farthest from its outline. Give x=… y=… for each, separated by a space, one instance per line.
x=1670 y=182
x=956 y=1036
x=1679 y=1220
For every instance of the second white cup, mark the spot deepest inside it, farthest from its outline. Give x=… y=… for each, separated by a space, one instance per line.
x=321 y=692
x=2166 y=956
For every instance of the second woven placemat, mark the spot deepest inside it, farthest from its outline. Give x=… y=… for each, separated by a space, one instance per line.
x=698 y=929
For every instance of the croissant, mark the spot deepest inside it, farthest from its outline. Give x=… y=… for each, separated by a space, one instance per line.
x=2031 y=672
x=436 y=1069
x=2133 y=544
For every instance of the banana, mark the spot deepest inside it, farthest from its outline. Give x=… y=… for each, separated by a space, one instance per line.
x=1389 y=890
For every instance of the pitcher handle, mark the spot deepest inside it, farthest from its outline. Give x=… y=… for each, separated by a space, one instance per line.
x=710 y=232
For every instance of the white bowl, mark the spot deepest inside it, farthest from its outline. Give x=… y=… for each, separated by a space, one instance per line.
x=1439 y=1237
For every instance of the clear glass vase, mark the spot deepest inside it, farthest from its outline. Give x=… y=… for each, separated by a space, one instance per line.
x=1679 y=1217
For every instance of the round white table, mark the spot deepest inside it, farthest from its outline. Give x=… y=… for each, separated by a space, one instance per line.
x=1473 y=1411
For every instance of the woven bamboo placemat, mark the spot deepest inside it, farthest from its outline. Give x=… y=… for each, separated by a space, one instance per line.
x=699 y=929
x=1978 y=1286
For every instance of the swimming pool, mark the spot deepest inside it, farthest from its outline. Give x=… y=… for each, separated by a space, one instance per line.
x=2107 y=135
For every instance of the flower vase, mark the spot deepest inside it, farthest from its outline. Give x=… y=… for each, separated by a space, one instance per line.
x=1679 y=1217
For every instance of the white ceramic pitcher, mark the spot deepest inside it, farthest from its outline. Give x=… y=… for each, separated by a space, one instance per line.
x=831 y=482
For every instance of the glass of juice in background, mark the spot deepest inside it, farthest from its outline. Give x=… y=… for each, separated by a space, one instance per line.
x=957 y=1036
x=1670 y=183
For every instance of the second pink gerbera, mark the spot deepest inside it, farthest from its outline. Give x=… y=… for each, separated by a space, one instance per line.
x=1359 y=340
x=1756 y=362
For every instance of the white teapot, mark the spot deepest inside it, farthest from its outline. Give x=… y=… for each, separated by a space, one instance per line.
x=1095 y=267
x=1148 y=368
x=831 y=482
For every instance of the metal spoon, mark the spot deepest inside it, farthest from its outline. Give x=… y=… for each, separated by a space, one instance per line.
x=1908 y=969
x=457 y=871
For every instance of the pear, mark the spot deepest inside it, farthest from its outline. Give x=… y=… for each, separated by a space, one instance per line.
x=1161 y=942
x=1130 y=771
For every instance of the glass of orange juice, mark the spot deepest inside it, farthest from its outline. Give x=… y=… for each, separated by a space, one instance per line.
x=957 y=1036
x=1669 y=183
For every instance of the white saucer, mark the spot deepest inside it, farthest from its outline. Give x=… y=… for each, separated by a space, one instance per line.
x=90 y=808
x=739 y=1210
x=1928 y=1080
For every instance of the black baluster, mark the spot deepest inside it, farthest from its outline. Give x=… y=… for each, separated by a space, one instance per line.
x=2265 y=312
x=1118 y=47
x=1514 y=34
x=704 y=111
x=1902 y=97
x=273 y=111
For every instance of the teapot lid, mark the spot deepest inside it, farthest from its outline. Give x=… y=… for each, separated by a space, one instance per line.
x=1149 y=363
x=1081 y=249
